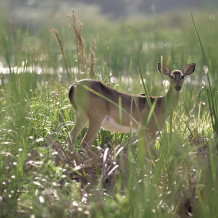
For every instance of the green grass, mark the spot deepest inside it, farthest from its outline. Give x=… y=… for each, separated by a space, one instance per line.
x=160 y=179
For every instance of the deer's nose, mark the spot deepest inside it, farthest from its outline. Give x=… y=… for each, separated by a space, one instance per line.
x=178 y=87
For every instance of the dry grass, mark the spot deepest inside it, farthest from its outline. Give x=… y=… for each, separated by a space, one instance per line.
x=85 y=63
x=58 y=38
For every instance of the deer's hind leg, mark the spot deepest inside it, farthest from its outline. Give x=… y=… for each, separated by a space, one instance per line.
x=81 y=121
x=94 y=127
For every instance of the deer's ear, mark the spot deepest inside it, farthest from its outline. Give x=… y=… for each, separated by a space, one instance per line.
x=163 y=69
x=189 y=69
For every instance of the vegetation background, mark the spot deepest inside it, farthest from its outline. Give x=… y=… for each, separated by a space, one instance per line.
x=43 y=49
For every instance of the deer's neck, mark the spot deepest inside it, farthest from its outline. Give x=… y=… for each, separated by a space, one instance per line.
x=170 y=100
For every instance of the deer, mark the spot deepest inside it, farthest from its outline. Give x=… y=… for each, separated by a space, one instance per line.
x=104 y=107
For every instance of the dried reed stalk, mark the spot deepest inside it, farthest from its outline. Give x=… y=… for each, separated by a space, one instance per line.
x=57 y=37
x=85 y=63
x=80 y=43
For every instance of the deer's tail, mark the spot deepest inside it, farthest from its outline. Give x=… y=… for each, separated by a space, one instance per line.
x=71 y=95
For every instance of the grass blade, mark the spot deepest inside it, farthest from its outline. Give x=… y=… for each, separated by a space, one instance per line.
x=199 y=39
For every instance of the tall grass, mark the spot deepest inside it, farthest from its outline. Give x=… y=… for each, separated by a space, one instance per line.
x=128 y=176
x=211 y=90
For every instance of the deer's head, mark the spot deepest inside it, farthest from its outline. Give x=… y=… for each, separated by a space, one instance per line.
x=176 y=76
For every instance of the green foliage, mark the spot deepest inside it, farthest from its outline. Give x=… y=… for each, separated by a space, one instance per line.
x=163 y=178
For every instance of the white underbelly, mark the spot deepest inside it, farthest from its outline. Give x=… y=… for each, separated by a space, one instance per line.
x=110 y=124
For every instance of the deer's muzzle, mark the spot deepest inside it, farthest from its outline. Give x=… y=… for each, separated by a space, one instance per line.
x=178 y=88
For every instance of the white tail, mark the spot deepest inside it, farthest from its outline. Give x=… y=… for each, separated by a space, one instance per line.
x=102 y=106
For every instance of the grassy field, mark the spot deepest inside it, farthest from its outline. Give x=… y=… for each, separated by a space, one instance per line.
x=174 y=176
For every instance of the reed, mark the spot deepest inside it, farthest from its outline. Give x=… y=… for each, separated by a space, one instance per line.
x=58 y=38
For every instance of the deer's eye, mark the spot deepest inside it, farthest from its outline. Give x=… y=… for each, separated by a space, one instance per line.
x=171 y=76
x=182 y=77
